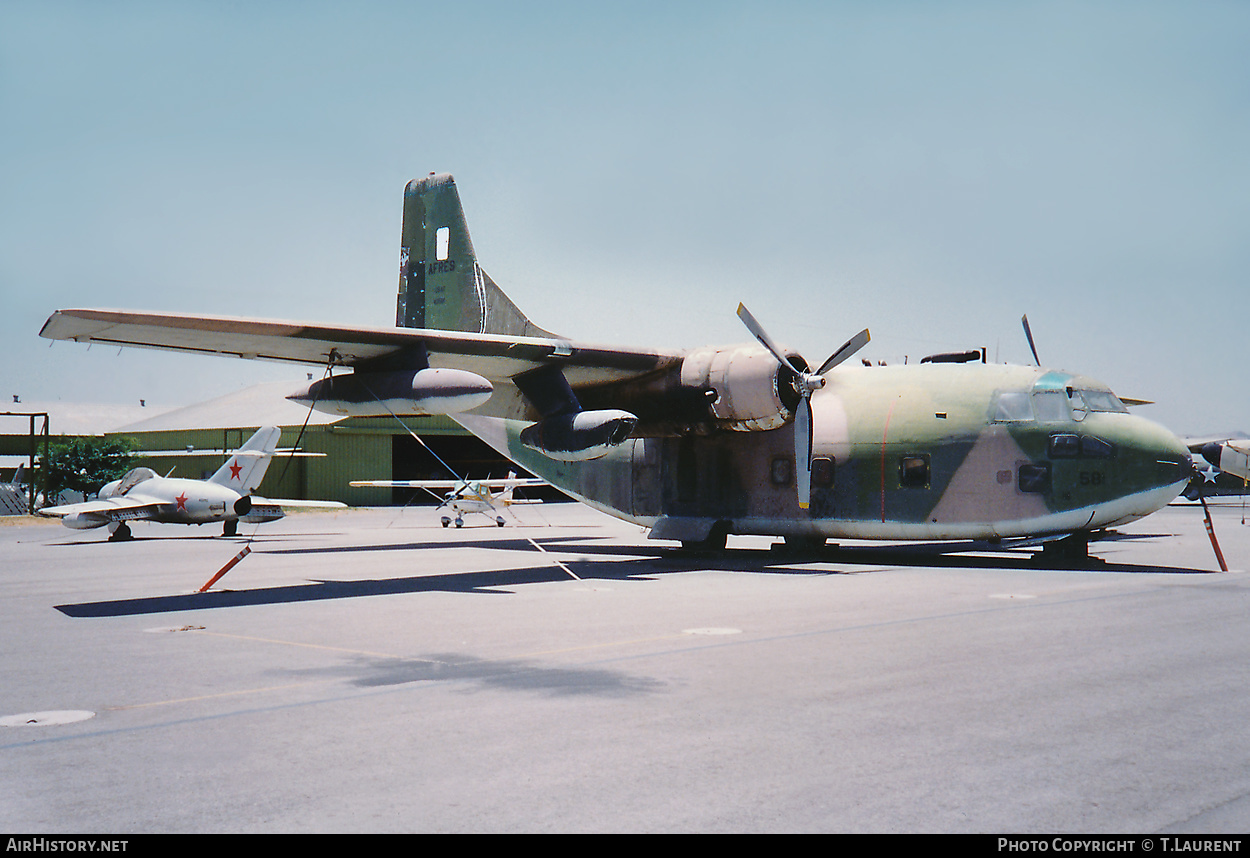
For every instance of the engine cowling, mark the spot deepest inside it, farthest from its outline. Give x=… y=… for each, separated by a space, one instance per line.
x=751 y=392
x=579 y=436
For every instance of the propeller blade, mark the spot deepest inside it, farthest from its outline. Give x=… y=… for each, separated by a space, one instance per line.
x=1024 y=320
x=803 y=452
x=849 y=348
x=758 y=331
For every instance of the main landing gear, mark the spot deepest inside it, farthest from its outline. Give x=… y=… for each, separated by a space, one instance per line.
x=1072 y=550
x=121 y=533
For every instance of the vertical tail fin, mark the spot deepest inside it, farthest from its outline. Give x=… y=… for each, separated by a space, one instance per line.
x=244 y=470
x=440 y=283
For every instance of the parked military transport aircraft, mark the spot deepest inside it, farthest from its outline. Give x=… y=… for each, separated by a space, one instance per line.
x=226 y=496
x=466 y=497
x=698 y=444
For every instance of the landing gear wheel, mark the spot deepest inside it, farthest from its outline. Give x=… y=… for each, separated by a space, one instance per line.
x=446 y=521
x=122 y=534
x=804 y=544
x=499 y=520
x=230 y=528
x=460 y=522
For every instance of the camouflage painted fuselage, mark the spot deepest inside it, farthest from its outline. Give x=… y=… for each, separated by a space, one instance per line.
x=932 y=451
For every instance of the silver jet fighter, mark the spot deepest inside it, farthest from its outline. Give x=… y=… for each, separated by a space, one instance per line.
x=224 y=497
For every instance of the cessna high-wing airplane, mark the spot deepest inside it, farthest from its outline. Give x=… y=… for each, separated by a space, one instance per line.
x=465 y=497
x=1231 y=456
x=699 y=444
x=226 y=496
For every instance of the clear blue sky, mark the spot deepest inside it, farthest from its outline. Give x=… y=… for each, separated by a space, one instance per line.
x=632 y=171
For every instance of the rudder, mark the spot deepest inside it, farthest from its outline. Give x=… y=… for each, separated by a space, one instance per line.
x=441 y=285
x=244 y=470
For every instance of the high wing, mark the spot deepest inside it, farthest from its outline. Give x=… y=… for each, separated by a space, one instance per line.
x=496 y=357
x=514 y=482
x=108 y=509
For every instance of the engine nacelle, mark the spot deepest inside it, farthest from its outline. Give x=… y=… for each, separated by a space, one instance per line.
x=580 y=436
x=406 y=393
x=752 y=392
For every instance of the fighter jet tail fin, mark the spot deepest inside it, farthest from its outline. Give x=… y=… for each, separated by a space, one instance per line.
x=441 y=285
x=244 y=470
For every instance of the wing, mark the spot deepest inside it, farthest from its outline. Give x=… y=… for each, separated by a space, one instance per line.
x=287 y=503
x=108 y=510
x=493 y=356
x=515 y=482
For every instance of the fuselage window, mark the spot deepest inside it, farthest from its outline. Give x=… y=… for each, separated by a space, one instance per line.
x=913 y=471
x=1064 y=445
x=1034 y=478
x=779 y=471
x=1096 y=448
x=822 y=472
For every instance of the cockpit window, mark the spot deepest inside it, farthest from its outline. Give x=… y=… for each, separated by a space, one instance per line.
x=1103 y=400
x=1051 y=406
x=1012 y=406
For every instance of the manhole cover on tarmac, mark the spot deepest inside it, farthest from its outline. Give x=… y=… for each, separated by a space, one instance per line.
x=45 y=719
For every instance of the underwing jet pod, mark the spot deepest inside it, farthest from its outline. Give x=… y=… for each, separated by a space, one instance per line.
x=740 y=439
x=404 y=384
x=226 y=496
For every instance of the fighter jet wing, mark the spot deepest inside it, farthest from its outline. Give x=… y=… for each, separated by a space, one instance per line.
x=495 y=357
x=108 y=509
x=289 y=503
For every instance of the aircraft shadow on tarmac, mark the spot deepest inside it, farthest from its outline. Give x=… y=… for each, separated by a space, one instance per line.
x=639 y=563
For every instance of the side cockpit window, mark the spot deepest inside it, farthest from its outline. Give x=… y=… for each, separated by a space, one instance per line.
x=1051 y=406
x=1103 y=400
x=1012 y=406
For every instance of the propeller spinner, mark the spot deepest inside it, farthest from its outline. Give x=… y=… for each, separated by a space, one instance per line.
x=806 y=383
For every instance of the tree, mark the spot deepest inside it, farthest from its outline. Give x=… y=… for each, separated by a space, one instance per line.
x=86 y=464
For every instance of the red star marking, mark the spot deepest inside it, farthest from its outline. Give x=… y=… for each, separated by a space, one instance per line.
x=181 y=500
x=235 y=467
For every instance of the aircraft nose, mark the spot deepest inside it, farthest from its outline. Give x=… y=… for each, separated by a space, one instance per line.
x=1172 y=463
x=1211 y=452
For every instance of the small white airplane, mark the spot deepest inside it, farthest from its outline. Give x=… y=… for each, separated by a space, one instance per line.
x=1231 y=456
x=466 y=496
x=226 y=496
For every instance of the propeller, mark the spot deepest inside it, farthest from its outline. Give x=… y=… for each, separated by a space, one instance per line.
x=1024 y=320
x=805 y=383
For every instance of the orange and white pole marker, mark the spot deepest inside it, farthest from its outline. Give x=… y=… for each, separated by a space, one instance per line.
x=211 y=581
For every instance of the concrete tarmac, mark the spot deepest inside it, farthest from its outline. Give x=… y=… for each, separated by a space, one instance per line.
x=369 y=671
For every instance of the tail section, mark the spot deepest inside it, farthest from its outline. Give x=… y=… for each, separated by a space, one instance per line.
x=440 y=283
x=244 y=470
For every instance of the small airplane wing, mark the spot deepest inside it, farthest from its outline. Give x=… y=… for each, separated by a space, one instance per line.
x=107 y=509
x=493 y=356
x=510 y=483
